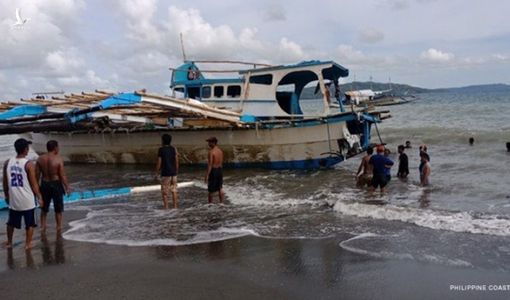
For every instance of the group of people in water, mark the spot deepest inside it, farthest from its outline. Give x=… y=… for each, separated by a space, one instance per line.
x=375 y=169
x=46 y=180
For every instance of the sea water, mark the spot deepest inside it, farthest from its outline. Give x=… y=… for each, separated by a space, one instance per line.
x=462 y=219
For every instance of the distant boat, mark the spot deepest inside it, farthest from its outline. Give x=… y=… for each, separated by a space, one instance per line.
x=257 y=117
x=375 y=98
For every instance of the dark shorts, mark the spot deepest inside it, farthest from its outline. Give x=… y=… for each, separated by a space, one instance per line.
x=379 y=180
x=215 y=181
x=52 y=190
x=15 y=218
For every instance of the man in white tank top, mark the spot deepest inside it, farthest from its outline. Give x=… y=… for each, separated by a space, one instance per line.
x=20 y=186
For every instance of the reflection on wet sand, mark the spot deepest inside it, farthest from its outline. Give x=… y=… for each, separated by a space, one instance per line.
x=29 y=259
x=290 y=256
x=47 y=256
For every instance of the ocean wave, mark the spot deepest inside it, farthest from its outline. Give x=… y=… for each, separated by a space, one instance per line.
x=430 y=218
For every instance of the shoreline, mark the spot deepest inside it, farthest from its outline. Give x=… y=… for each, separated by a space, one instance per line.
x=248 y=267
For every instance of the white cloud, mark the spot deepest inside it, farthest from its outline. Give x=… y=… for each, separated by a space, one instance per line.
x=371 y=35
x=500 y=56
x=434 y=55
x=348 y=54
x=290 y=51
x=64 y=62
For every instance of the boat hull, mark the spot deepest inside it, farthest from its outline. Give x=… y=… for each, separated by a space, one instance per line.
x=295 y=146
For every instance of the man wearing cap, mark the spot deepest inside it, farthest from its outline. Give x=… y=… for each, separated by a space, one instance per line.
x=214 y=176
x=20 y=186
x=54 y=183
x=381 y=165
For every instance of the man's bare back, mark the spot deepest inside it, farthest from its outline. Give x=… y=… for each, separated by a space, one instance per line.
x=216 y=156
x=51 y=166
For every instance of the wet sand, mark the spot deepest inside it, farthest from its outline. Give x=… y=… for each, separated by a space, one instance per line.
x=247 y=268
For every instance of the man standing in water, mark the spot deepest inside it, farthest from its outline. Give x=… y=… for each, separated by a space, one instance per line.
x=20 y=185
x=54 y=183
x=403 y=163
x=381 y=165
x=364 y=174
x=214 y=176
x=168 y=167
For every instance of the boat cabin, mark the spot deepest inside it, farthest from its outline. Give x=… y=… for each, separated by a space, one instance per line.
x=305 y=89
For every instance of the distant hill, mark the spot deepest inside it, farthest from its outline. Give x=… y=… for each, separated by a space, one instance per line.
x=399 y=89
x=396 y=88
x=482 y=88
x=405 y=89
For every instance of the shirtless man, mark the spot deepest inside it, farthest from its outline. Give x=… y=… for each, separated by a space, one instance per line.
x=364 y=174
x=214 y=176
x=54 y=184
x=424 y=169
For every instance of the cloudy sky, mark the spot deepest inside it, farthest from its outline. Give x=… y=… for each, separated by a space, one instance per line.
x=125 y=45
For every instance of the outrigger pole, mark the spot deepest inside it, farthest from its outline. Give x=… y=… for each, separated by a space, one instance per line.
x=109 y=193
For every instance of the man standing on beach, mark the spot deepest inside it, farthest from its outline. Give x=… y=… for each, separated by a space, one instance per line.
x=214 y=176
x=403 y=163
x=381 y=165
x=54 y=184
x=168 y=167
x=20 y=186
x=364 y=174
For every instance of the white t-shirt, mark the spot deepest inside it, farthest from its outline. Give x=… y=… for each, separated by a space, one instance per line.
x=21 y=196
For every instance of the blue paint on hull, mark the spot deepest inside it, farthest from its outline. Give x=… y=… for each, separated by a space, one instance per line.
x=307 y=164
x=86 y=195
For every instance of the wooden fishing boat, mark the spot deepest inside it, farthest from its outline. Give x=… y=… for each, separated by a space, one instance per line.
x=257 y=118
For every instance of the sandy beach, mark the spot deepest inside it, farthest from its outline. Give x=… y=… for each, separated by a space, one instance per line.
x=248 y=268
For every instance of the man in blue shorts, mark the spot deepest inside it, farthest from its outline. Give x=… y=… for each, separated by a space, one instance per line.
x=20 y=186
x=381 y=165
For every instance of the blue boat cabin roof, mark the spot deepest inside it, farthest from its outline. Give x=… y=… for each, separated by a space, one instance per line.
x=189 y=74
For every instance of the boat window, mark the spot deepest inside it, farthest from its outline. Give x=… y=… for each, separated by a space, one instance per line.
x=312 y=98
x=178 y=92
x=218 y=91
x=206 y=92
x=262 y=79
x=234 y=91
x=293 y=88
x=194 y=92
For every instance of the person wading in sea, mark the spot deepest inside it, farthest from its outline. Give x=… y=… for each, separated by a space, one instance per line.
x=364 y=174
x=20 y=186
x=403 y=163
x=424 y=169
x=168 y=167
x=214 y=176
x=54 y=184
x=381 y=165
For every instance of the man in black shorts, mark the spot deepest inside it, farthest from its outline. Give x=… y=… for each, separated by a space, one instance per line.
x=54 y=183
x=214 y=176
x=20 y=186
x=381 y=165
